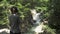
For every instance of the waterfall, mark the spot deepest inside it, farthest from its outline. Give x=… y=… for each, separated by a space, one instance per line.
x=36 y=16
x=37 y=19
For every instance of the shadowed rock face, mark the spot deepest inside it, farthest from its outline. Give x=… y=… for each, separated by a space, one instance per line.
x=4 y=32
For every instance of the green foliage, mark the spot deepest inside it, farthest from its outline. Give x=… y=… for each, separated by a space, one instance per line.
x=24 y=7
x=49 y=30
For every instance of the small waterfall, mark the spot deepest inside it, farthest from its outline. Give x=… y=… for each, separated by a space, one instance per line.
x=37 y=25
x=36 y=16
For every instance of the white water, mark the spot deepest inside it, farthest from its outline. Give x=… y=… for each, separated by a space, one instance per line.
x=39 y=26
x=4 y=31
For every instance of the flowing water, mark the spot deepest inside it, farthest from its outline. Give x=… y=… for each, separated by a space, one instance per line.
x=37 y=25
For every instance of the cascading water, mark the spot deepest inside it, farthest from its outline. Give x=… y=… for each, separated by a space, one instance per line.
x=36 y=16
x=37 y=25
